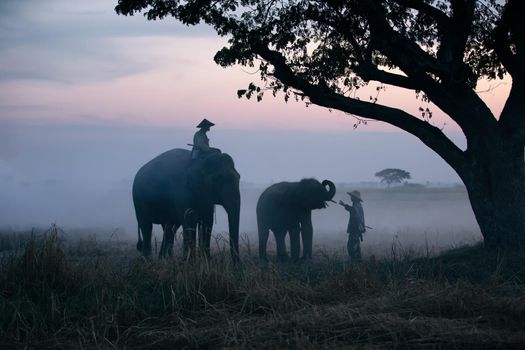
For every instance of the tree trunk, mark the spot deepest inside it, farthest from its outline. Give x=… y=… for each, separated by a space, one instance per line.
x=495 y=182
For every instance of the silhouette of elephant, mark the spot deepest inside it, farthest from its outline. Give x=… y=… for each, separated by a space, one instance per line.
x=174 y=190
x=287 y=207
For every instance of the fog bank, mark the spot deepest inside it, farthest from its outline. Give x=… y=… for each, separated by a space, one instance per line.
x=81 y=176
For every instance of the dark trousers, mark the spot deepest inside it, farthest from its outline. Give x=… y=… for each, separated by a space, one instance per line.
x=353 y=246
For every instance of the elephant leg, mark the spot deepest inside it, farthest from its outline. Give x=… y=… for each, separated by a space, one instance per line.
x=189 y=236
x=307 y=233
x=189 y=233
x=205 y=238
x=205 y=228
x=281 y=246
x=295 y=243
x=263 y=240
x=166 y=247
x=146 y=229
x=175 y=228
x=171 y=238
x=162 y=252
x=200 y=236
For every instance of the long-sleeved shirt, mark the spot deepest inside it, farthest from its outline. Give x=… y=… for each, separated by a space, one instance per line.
x=201 y=143
x=356 y=222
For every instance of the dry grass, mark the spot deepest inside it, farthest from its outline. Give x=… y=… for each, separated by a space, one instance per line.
x=96 y=294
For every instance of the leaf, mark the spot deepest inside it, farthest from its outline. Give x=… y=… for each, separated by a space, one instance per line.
x=241 y=93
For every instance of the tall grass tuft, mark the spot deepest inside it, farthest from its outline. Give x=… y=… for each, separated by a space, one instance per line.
x=68 y=293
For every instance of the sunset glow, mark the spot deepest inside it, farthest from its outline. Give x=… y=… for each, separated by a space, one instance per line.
x=123 y=76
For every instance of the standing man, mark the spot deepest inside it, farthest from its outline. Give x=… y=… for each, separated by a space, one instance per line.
x=356 y=225
x=201 y=143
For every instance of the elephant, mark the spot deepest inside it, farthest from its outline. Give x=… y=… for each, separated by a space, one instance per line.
x=287 y=207
x=173 y=190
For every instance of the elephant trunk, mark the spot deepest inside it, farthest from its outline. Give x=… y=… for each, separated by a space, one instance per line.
x=331 y=189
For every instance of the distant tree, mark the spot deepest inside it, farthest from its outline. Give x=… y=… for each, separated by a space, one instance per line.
x=322 y=52
x=390 y=176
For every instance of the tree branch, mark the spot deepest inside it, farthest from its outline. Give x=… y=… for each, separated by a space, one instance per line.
x=367 y=70
x=509 y=31
x=512 y=119
x=453 y=31
x=323 y=96
x=502 y=42
x=455 y=98
x=412 y=58
x=371 y=72
x=449 y=95
x=454 y=38
x=439 y=16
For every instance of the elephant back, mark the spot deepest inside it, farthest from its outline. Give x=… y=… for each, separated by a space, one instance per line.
x=157 y=175
x=168 y=163
x=276 y=194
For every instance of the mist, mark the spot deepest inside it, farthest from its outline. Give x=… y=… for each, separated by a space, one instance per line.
x=80 y=176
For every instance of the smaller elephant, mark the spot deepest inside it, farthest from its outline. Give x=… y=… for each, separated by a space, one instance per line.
x=287 y=207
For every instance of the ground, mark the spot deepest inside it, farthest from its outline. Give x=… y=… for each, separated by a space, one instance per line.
x=63 y=292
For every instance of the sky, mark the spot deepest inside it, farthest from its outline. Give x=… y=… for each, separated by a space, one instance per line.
x=87 y=97
x=77 y=61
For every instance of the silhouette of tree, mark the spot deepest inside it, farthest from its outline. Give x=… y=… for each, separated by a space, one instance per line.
x=390 y=176
x=323 y=51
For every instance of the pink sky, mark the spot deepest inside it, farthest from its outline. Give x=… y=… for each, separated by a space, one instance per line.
x=168 y=80
x=184 y=84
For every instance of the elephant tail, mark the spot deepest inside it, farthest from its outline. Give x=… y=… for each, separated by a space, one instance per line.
x=139 y=243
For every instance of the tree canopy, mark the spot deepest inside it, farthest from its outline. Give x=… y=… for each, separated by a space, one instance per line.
x=323 y=51
x=392 y=175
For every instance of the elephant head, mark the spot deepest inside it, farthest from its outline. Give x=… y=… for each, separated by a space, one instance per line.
x=214 y=180
x=311 y=194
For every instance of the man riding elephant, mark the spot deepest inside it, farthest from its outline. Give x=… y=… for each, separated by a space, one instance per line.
x=174 y=190
x=201 y=142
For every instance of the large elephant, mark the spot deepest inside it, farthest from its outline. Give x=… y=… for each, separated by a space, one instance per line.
x=173 y=190
x=287 y=207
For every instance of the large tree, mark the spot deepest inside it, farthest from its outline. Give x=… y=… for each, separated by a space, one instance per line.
x=321 y=51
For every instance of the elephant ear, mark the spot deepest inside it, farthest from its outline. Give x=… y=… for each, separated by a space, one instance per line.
x=220 y=167
x=312 y=194
x=302 y=192
x=205 y=175
x=198 y=176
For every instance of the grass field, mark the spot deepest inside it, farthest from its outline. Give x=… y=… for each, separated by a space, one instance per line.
x=62 y=292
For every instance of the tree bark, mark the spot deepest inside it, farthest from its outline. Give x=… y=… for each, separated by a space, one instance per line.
x=495 y=181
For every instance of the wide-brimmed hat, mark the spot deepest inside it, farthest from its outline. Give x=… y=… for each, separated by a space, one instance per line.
x=205 y=123
x=355 y=194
